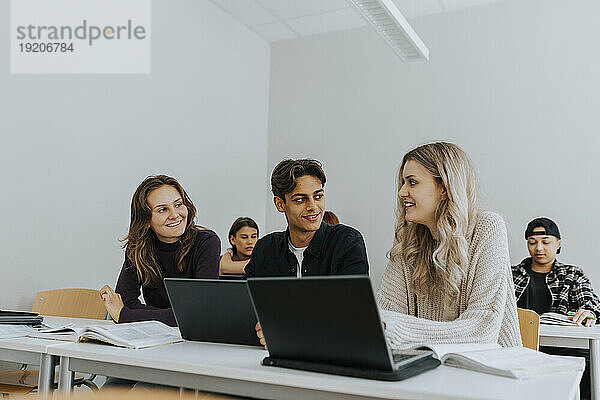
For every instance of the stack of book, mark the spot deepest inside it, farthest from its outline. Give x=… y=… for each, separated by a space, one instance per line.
x=18 y=323
x=20 y=317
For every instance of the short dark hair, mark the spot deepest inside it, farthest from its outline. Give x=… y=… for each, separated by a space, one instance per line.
x=283 y=178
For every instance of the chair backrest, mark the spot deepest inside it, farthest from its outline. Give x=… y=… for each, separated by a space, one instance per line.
x=529 y=324
x=75 y=303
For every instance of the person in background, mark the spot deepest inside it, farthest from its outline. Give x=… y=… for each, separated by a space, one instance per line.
x=243 y=235
x=544 y=284
x=163 y=241
x=448 y=279
x=330 y=218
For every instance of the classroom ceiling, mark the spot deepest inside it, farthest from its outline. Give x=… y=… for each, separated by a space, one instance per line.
x=275 y=20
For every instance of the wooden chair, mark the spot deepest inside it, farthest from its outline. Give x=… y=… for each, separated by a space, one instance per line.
x=74 y=303
x=529 y=324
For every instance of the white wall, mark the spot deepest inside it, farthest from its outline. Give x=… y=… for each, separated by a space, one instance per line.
x=514 y=83
x=75 y=147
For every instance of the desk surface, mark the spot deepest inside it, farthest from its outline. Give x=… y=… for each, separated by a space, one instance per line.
x=242 y=364
x=33 y=345
x=576 y=332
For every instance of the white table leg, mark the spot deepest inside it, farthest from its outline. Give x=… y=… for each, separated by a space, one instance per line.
x=46 y=375
x=65 y=377
x=595 y=368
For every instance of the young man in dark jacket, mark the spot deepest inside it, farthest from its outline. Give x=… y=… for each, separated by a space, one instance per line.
x=308 y=247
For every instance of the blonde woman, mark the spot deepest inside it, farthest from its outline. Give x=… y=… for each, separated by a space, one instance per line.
x=449 y=278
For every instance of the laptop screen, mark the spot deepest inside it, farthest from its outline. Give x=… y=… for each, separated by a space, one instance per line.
x=210 y=310
x=331 y=320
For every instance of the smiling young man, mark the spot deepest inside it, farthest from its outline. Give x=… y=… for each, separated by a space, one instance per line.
x=544 y=284
x=308 y=247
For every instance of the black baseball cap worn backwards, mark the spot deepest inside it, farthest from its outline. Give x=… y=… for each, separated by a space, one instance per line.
x=550 y=228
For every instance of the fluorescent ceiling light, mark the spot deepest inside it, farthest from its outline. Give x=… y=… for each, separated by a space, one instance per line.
x=389 y=22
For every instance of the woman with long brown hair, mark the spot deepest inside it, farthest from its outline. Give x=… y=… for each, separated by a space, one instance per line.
x=449 y=277
x=163 y=241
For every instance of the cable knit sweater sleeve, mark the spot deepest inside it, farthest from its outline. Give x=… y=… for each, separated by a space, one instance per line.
x=486 y=308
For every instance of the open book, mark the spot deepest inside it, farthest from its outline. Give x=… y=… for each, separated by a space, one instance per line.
x=133 y=335
x=512 y=362
x=12 y=331
x=552 y=318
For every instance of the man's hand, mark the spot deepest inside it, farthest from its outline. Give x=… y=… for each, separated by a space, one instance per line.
x=583 y=317
x=112 y=301
x=260 y=335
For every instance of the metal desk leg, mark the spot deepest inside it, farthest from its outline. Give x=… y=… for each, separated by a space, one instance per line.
x=595 y=368
x=46 y=375
x=65 y=377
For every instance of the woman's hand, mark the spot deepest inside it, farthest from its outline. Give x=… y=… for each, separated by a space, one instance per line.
x=112 y=301
x=583 y=317
x=228 y=266
x=260 y=335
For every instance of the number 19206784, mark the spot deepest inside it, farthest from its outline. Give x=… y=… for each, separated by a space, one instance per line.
x=46 y=47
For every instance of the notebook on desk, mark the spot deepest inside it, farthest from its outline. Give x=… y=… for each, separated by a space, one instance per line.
x=211 y=310
x=329 y=324
x=20 y=317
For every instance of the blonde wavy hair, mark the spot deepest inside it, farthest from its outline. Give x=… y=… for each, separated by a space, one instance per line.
x=439 y=265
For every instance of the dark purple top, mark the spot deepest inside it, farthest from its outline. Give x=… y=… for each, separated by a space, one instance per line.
x=204 y=264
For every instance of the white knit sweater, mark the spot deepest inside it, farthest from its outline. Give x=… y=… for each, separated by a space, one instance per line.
x=486 y=311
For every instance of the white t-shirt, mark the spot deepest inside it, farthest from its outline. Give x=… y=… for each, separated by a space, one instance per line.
x=299 y=253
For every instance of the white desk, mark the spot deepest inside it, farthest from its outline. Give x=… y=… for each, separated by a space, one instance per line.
x=237 y=370
x=34 y=351
x=579 y=337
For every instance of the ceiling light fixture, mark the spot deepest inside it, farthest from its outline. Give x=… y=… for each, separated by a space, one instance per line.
x=389 y=22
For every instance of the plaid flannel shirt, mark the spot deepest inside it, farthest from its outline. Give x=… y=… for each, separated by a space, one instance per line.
x=570 y=288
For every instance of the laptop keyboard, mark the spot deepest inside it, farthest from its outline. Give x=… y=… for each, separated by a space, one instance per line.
x=408 y=356
x=401 y=357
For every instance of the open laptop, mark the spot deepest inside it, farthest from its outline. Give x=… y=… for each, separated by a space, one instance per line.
x=329 y=324
x=210 y=310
